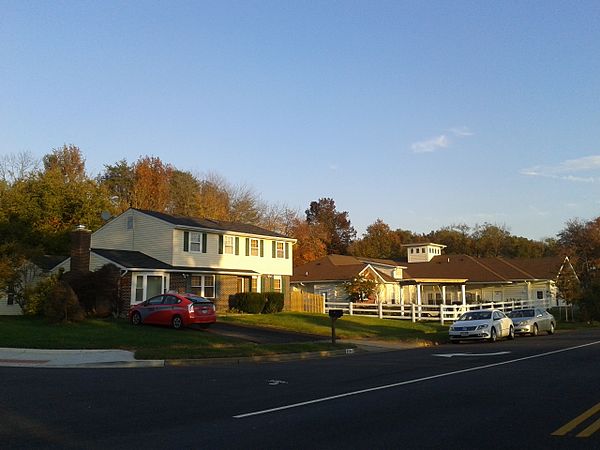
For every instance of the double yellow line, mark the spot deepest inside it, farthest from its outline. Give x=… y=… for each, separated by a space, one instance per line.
x=570 y=426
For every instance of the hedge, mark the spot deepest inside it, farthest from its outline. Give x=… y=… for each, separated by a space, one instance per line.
x=256 y=302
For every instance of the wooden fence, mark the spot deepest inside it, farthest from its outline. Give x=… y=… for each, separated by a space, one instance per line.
x=305 y=302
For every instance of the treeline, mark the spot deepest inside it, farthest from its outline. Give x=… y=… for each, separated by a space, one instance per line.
x=42 y=201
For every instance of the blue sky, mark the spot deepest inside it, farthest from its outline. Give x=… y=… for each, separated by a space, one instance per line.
x=422 y=114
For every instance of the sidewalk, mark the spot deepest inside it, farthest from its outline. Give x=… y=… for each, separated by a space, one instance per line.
x=92 y=359
x=97 y=359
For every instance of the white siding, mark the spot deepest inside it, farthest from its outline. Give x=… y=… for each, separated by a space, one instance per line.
x=263 y=265
x=9 y=310
x=149 y=235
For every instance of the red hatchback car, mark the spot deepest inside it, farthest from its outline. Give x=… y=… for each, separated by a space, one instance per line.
x=175 y=310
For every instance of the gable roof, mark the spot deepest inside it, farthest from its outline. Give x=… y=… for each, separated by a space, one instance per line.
x=333 y=268
x=48 y=262
x=218 y=225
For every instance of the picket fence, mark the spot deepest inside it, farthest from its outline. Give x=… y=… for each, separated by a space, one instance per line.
x=415 y=312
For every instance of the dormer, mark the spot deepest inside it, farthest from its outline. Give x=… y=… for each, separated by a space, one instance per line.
x=423 y=252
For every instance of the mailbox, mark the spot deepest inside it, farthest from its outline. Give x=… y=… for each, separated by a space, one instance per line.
x=336 y=313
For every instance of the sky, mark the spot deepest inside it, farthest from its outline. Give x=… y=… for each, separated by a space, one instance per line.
x=422 y=114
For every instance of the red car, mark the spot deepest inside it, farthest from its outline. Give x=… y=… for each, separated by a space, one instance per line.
x=175 y=310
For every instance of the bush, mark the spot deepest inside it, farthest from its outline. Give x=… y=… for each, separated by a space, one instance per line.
x=274 y=303
x=37 y=296
x=256 y=302
x=62 y=305
x=98 y=291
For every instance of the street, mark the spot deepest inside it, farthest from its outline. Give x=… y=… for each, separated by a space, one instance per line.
x=511 y=394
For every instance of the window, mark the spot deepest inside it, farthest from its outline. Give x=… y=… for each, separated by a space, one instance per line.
x=412 y=250
x=11 y=299
x=540 y=295
x=277 y=284
x=254 y=284
x=171 y=300
x=417 y=250
x=156 y=300
x=280 y=250
x=195 y=242
x=203 y=285
x=254 y=247
x=130 y=223
x=139 y=288
x=228 y=245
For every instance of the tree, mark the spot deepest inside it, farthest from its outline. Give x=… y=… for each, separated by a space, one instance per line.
x=361 y=288
x=185 y=194
x=490 y=240
x=340 y=232
x=379 y=241
x=118 y=180
x=310 y=244
x=151 y=186
x=14 y=167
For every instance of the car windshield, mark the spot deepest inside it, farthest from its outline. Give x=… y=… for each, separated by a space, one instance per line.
x=476 y=315
x=521 y=313
x=197 y=299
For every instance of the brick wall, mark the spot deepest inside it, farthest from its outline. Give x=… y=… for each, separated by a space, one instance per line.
x=226 y=285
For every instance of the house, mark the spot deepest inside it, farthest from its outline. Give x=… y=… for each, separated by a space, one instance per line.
x=326 y=277
x=430 y=277
x=159 y=252
x=32 y=272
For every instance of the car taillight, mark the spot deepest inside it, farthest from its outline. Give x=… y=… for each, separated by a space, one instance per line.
x=191 y=308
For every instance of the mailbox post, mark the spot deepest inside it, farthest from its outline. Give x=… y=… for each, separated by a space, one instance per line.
x=334 y=314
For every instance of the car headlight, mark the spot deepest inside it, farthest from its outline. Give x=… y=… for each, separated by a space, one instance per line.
x=524 y=322
x=451 y=328
x=482 y=327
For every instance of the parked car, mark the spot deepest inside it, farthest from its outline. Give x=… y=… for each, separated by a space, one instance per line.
x=489 y=324
x=532 y=321
x=175 y=310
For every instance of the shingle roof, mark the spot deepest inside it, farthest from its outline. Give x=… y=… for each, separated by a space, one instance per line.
x=210 y=224
x=137 y=260
x=48 y=262
x=332 y=268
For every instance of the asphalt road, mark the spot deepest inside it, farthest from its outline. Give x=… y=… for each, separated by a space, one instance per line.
x=512 y=394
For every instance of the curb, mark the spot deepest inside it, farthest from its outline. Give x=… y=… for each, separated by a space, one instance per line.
x=262 y=358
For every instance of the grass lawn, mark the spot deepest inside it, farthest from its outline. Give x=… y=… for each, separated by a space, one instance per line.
x=148 y=342
x=347 y=327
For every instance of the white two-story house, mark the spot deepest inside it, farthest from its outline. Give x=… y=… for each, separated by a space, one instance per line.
x=158 y=252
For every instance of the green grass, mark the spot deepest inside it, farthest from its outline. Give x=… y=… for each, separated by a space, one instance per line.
x=148 y=342
x=347 y=327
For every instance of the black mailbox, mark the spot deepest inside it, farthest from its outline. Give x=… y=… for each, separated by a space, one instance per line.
x=336 y=313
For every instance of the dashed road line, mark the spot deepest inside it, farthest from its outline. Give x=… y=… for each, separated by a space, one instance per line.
x=571 y=425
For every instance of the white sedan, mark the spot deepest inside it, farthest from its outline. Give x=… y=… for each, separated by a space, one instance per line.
x=489 y=324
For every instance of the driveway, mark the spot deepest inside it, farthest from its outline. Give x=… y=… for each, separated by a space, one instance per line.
x=262 y=335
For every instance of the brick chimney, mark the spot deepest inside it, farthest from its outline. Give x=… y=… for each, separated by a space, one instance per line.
x=81 y=239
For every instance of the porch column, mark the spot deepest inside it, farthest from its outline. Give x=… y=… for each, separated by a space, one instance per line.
x=419 y=298
x=463 y=291
x=443 y=295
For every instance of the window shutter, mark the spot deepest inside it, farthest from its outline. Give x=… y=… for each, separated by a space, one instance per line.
x=237 y=245
x=186 y=241
x=274 y=246
x=287 y=250
x=247 y=246
x=262 y=248
x=221 y=244
x=204 y=242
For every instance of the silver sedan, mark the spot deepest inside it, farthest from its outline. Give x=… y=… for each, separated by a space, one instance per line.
x=532 y=321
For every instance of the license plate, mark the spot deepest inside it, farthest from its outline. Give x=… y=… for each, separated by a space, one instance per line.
x=464 y=333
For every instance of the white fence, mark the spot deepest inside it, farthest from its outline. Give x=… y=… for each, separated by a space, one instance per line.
x=414 y=312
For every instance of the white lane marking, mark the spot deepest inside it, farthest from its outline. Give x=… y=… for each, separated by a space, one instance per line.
x=404 y=383
x=276 y=382
x=450 y=355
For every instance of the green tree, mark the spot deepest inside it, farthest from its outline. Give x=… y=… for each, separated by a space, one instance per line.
x=340 y=232
x=379 y=241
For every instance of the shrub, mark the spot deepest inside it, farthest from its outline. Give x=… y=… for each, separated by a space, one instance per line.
x=62 y=304
x=37 y=296
x=274 y=302
x=256 y=302
x=98 y=292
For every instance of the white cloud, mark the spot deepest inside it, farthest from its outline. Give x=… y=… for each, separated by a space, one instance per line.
x=565 y=170
x=431 y=145
x=442 y=141
x=461 y=131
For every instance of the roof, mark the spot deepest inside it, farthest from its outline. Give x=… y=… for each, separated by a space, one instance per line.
x=492 y=270
x=424 y=244
x=130 y=259
x=48 y=262
x=333 y=268
x=210 y=224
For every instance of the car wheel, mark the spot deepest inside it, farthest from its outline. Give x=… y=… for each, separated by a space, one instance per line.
x=493 y=335
x=136 y=318
x=177 y=322
x=551 y=329
x=511 y=333
x=535 y=331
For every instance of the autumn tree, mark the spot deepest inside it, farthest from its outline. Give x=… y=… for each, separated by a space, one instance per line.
x=152 y=184
x=310 y=243
x=361 y=288
x=184 y=194
x=340 y=232
x=379 y=241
